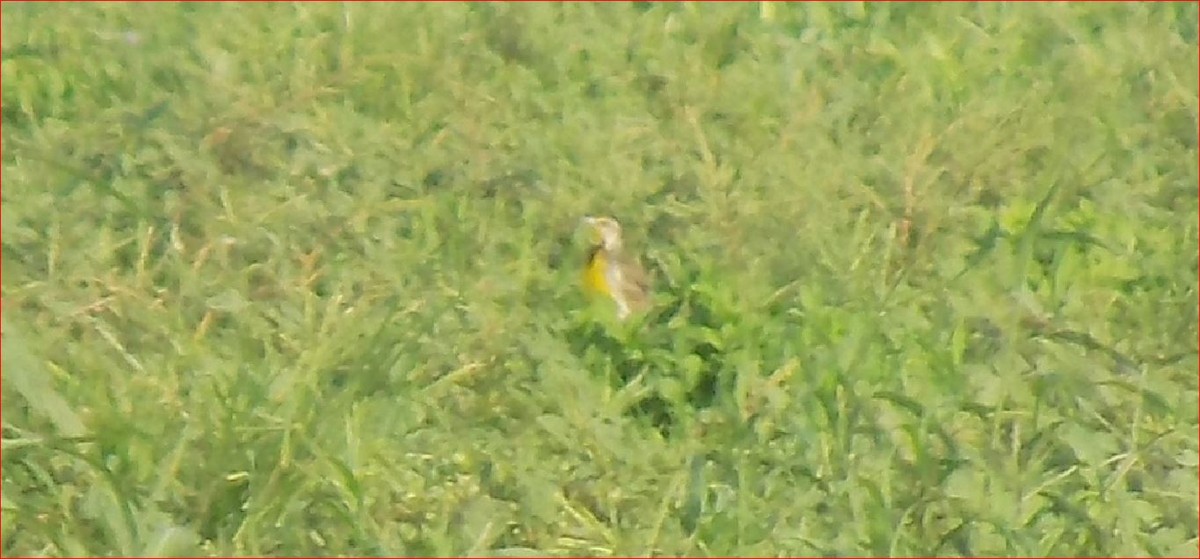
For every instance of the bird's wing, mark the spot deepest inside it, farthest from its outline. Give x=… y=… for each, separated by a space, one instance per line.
x=638 y=281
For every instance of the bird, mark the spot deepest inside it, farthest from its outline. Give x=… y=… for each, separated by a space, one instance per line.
x=611 y=272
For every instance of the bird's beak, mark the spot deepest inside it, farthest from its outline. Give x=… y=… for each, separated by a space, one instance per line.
x=590 y=223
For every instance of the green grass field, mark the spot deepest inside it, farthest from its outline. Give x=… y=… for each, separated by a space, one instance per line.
x=304 y=279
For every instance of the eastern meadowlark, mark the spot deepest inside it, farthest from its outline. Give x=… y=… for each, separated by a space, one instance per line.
x=610 y=272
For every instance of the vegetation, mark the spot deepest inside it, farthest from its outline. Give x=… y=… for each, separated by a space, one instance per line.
x=304 y=279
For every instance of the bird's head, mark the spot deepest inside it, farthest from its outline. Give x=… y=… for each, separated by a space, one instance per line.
x=606 y=230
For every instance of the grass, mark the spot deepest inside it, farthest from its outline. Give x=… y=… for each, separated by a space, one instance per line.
x=303 y=279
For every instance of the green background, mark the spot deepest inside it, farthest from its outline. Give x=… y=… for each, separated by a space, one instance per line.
x=304 y=279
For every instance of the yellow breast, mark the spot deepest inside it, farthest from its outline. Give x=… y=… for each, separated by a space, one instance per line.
x=595 y=276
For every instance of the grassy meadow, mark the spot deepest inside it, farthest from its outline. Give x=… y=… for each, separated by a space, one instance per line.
x=304 y=279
